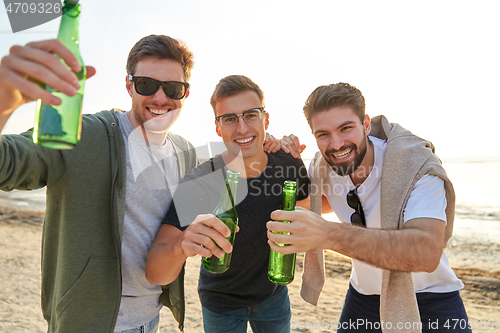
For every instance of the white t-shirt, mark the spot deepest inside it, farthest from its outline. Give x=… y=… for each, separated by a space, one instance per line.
x=427 y=200
x=152 y=178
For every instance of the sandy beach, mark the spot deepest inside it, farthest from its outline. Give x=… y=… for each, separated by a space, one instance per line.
x=20 y=310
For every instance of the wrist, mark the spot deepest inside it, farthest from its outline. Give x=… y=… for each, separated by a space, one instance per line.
x=340 y=237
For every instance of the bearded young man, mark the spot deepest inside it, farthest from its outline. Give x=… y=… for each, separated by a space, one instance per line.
x=397 y=208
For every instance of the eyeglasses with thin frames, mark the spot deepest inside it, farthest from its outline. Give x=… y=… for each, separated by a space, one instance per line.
x=251 y=117
x=358 y=217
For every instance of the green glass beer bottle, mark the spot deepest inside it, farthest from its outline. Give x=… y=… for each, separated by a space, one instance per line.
x=282 y=266
x=59 y=126
x=226 y=212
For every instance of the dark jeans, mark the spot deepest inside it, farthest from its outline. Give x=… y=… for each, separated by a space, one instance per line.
x=271 y=316
x=439 y=312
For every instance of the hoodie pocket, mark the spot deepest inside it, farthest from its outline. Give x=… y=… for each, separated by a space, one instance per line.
x=91 y=304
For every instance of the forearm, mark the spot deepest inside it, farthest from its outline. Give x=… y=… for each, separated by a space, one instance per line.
x=164 y=262
x=3 y=120
x=6 y=108
x=410 y=249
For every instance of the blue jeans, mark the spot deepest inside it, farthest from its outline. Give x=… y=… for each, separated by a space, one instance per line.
x=151 y=327
x=439 y=312
x=273 y=315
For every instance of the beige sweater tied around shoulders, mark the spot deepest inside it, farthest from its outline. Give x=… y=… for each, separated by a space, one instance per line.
x=407 y=159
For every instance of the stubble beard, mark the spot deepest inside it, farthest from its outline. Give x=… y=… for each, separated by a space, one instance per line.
x=159 y=125
x=349 y=167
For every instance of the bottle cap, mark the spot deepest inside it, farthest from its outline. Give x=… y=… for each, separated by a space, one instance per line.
x=71 y=7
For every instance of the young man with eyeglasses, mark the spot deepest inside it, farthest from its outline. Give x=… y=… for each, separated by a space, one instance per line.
x=242 y=294
x=106 y=198
x=397 y=205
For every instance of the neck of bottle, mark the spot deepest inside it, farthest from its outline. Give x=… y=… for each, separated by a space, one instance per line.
x=289 y=199
x=228 y=195
x=69 y=28
x=69 y=36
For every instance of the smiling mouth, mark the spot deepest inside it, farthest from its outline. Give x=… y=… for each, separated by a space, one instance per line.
x=158 y=111
x=243 y=141
x=342 y=155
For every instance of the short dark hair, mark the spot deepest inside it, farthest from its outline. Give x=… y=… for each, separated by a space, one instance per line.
x=232 y=85
x=161 y=47
x=324 y=98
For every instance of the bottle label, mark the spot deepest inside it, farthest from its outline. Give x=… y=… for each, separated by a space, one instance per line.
x=50 y=121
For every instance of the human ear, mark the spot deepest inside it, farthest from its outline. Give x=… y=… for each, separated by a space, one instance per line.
x=128 y=85
x=217 y=129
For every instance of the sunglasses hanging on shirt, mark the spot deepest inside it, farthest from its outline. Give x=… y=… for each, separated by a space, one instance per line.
x=358 y=217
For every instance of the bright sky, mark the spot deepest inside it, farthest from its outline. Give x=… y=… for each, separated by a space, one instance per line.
x=432 y=66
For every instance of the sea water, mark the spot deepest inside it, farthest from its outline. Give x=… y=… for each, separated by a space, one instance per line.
x=476 y=234
x=32 y=200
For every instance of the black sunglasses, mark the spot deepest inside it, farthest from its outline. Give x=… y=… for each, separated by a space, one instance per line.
x=358 y=217
x=147 y=86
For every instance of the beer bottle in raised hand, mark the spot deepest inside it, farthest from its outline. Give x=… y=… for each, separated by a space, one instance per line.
x=59 y=126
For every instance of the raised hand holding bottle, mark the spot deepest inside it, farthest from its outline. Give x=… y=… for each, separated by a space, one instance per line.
x=59 y=126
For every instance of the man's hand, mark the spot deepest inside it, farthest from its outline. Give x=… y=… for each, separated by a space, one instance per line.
x=172 y=247
x=291 y=144
x=271 y=144
x=206 y=236
x=308 y=231
x=26 y=66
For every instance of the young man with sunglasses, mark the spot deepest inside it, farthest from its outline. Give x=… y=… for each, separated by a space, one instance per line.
x=397 y=205
x=242 y=294
x=106 y=198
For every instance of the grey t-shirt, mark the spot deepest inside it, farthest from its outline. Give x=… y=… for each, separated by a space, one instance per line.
x=152 y=177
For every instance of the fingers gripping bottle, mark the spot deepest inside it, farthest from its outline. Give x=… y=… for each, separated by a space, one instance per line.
x=59 y=126
x=282 y=266
x=226 y=212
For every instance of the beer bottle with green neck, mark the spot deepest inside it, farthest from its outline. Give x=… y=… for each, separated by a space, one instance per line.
x=226 y=212
x=59 y=126
x=282 y=266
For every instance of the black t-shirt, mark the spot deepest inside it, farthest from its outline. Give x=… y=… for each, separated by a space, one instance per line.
x=245 y=283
